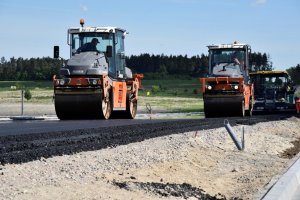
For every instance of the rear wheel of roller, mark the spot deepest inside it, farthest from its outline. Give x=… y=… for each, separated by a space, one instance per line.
x=249 y=112
x=242 y=112
x=131 y=107
x=106 y=107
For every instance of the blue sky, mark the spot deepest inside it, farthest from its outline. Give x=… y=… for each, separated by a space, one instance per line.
x=31 y=28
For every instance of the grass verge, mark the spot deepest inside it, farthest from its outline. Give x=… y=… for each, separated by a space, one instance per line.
x=163 y=95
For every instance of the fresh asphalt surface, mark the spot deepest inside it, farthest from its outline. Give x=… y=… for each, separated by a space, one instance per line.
x=17 y=127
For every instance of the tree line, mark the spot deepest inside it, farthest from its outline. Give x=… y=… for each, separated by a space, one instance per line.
x=152 y=66
x=294 y=72
x=162 y=66
x=28 y=69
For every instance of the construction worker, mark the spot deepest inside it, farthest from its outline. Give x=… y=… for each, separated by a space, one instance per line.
x=236 y=59
x=297 y=102
x=90 y=46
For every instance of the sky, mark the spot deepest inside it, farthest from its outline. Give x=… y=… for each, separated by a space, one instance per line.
x=30 y=28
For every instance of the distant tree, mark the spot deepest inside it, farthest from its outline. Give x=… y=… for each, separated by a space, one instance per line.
x=2 y=60
x=29 y=69
x=27 y=94
x=261 y=61
x=294 y=73
x=162 y=65
x=162 y=70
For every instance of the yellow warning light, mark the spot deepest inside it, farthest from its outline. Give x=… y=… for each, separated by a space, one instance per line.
x=81 y=22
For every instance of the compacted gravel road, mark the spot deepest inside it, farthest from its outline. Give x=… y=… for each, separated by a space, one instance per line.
x=177 y=159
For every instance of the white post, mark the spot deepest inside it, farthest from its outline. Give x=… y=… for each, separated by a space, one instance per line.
x=22 y=103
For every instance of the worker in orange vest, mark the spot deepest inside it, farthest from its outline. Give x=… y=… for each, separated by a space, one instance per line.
x=297 y=101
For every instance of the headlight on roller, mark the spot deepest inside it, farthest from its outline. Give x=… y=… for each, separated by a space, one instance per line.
x=94 y=82
x=236 y=87
x=61 y=82
x=209 y=87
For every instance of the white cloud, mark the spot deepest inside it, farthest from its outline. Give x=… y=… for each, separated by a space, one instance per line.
x=260 y=2
x=83 y=8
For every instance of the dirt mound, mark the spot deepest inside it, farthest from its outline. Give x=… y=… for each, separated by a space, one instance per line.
x=293 y=151
x=183 y=190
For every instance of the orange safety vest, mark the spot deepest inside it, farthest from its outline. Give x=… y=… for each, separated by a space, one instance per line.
x=298 y=105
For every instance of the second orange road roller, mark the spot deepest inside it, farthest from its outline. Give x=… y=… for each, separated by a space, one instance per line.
x=227 y=90
x=95 y=82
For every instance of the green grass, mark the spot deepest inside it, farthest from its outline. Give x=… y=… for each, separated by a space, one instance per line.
x=171 y=104
x=8 y=85
x=172 y=95
x=168 y=96
x=171 y=88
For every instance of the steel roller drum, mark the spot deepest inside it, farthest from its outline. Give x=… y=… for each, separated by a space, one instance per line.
x=78 y=106
x=223 y=105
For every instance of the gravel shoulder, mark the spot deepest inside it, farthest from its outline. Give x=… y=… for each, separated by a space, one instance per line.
x=206 y=160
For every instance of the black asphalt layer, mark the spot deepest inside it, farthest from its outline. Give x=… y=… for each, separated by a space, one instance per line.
x=20 y=127
x=59 y=138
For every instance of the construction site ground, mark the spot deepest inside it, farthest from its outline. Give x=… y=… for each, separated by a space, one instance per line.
x=202 y=164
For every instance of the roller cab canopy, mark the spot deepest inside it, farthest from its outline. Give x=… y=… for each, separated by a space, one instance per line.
x=229 y=60
x=108 y=55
